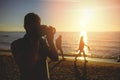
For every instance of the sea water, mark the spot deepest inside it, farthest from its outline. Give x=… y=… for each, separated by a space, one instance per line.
x=102 y=44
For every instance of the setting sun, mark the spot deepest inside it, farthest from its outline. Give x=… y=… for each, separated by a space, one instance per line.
x=87 y=13
x=86 y=17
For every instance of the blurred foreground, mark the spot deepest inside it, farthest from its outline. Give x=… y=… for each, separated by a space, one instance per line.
x=65 y=70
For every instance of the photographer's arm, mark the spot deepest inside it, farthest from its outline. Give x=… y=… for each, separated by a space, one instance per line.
x=53 y=52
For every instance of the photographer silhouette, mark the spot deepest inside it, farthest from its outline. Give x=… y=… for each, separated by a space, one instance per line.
x=31 y=51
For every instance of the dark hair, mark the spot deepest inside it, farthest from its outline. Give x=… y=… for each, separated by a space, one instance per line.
x=29 y=19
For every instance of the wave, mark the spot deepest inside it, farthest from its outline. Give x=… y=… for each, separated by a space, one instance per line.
x=5 y=50
x=104 y=41
x=4 y=43
x=100 y=43
x=4 y=35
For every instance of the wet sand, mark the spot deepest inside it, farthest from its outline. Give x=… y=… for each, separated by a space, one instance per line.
x=64 y=70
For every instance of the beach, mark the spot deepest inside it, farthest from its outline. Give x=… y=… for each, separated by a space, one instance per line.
x=64 y=69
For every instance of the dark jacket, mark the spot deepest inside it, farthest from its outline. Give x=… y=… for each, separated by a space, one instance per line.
x=32 y=67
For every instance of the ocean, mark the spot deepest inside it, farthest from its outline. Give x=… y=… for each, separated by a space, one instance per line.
x=102 y=44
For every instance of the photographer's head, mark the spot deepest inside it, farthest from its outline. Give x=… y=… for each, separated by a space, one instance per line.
x=32 y=24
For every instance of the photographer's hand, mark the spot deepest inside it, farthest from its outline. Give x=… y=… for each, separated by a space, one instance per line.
x=53 y=52
x=50 y=33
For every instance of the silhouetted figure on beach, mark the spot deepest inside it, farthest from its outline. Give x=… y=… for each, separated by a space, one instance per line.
x=31 y=51
x=118 y=58
x=59 y=45
x=81 y=49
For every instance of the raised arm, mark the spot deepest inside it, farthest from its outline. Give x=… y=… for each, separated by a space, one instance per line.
x=53 y=52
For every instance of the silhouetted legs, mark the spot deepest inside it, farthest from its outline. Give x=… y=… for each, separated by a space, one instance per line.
x=84 y=56
x=80 y=55
x=61 y=51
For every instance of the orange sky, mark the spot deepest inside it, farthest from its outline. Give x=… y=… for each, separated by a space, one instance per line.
x=64 y=15
x=98 y=15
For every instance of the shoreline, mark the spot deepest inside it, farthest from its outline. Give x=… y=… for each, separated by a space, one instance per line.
x=70 y=57
x=66 y=54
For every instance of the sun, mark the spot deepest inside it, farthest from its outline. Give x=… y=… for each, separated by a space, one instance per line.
x=87 y=14
x=82 y=23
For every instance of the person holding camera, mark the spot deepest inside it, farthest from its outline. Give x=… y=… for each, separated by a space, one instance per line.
x=31 y=51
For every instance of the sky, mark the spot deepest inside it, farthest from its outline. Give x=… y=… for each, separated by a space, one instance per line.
x=64 y=15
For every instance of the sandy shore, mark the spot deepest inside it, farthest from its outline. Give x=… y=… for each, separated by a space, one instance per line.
x=64 y=70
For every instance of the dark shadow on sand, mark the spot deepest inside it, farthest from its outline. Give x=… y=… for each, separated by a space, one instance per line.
x=80 y=75
x=84 y=71
x=77 y=72
x=55 y=65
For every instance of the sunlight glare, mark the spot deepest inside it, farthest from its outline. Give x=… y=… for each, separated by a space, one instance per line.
x=84 y=34
x=83 y=22
x=87 y=13
x=81 y=58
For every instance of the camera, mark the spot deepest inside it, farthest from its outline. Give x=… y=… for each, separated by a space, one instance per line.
x=47 y=30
